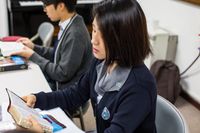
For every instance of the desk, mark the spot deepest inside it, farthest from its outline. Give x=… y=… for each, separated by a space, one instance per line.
x=23 y=82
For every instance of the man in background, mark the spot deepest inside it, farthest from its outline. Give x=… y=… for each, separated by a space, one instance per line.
x=70 y=57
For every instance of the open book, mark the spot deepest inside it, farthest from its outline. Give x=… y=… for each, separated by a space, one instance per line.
x=20 y=112
x=6 y=48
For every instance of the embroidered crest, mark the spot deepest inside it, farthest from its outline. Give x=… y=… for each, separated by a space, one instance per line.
x=105 y=113
x=118 y=84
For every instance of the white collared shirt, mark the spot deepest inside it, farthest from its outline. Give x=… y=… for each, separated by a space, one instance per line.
x=62 y=26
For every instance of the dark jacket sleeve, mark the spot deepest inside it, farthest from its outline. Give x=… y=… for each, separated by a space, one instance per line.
x=46 y=52
x=71 y=54
x=69 y=98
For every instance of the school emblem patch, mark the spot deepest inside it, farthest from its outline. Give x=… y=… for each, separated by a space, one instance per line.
x=105 y=113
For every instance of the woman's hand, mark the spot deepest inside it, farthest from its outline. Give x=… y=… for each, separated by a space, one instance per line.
x=26 y=41
x=26 y=52
x=30 y=100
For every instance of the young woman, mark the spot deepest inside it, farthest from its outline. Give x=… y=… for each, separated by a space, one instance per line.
x=121 y=88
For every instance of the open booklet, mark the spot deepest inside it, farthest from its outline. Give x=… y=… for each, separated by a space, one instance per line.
x=20 y=112
x=7 y=48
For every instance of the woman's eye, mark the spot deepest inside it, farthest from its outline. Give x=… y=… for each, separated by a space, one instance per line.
x=94 y=31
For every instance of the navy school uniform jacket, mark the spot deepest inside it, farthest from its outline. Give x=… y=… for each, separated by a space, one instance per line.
x=129 y=110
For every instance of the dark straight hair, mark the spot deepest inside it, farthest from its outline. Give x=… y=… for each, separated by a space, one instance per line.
x=70 y=4
x=122 y=24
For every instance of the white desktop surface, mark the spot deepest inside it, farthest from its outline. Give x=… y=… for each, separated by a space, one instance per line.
x=23 y=82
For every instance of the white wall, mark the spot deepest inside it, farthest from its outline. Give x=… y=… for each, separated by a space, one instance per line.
x=4 y=18
x=183 y=19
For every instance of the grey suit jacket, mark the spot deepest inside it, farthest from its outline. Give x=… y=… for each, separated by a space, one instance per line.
x=73 y=55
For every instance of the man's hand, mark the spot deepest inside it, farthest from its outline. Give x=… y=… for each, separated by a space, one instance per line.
x=26 y=52
x=26 y=41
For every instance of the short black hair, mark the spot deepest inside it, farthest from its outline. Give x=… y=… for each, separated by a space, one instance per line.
x=122 y=24
x=70 y=4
